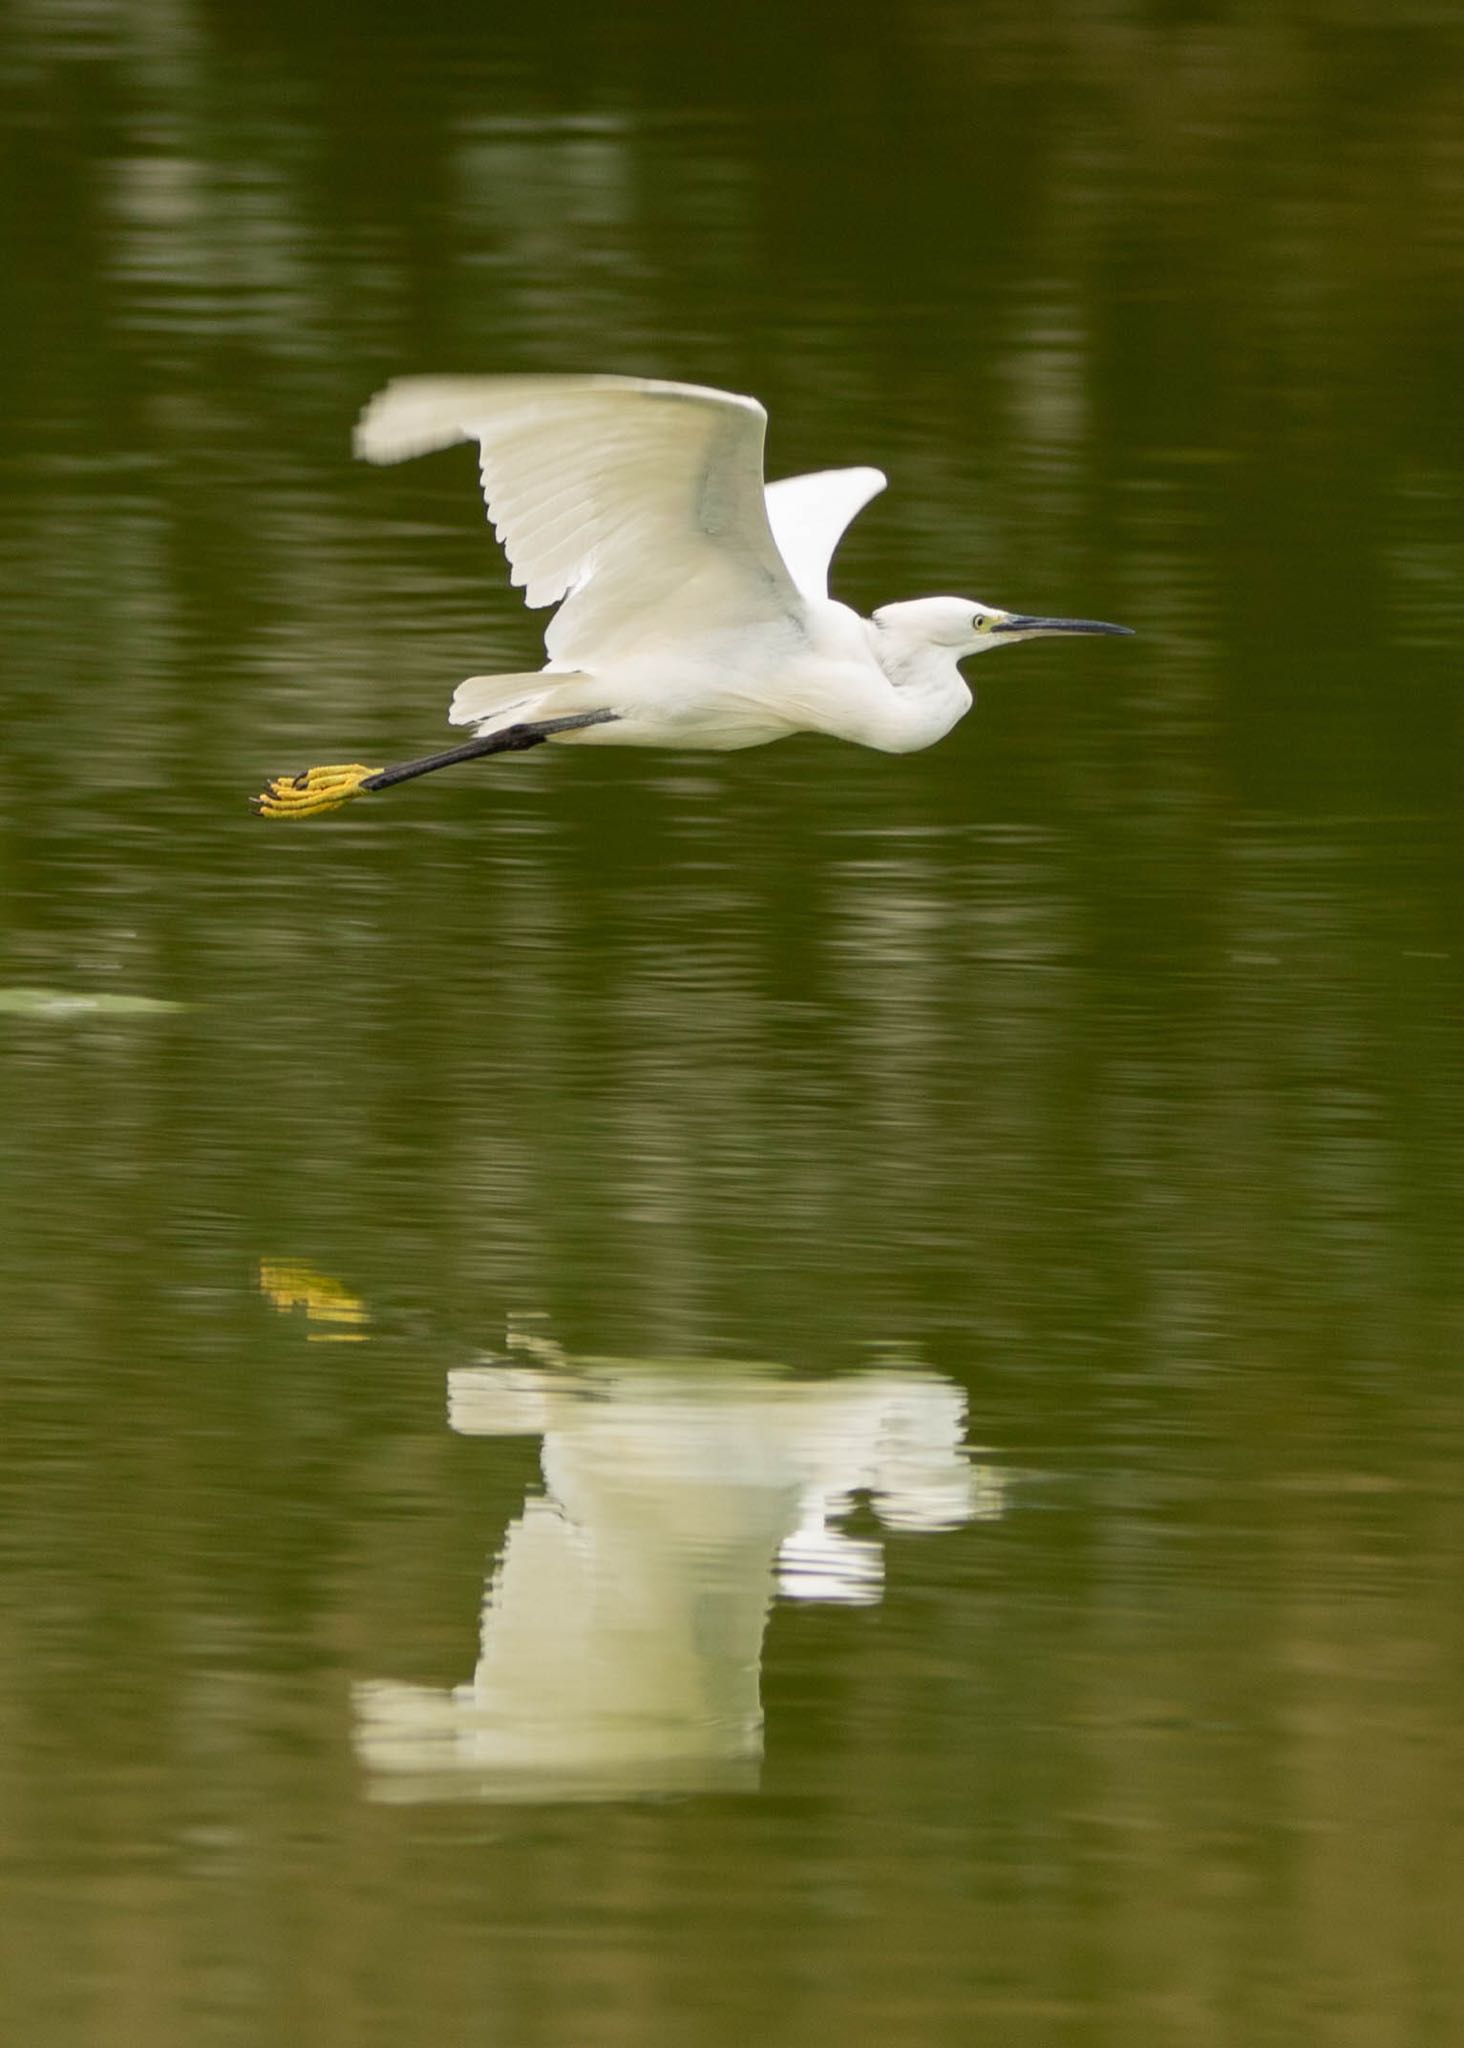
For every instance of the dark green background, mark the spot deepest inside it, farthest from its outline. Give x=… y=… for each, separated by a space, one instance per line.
x=1105 y=1060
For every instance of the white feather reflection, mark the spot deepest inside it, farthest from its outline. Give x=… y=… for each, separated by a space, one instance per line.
x=622 y=1631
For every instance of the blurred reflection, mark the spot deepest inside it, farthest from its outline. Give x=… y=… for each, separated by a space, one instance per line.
x=333 y=1315
x=622 y=1628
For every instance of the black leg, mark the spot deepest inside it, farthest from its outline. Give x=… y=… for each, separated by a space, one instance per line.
x=513 y=739
x=316 y=790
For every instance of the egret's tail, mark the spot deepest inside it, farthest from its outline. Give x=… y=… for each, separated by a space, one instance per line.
x=490 y=702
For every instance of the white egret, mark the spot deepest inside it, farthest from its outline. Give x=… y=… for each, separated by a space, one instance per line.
x=693 y=598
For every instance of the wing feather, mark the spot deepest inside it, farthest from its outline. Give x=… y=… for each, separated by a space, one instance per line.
x=637 y=507
x=809 y=515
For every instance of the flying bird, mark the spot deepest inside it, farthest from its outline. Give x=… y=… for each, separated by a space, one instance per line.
x=693 y=604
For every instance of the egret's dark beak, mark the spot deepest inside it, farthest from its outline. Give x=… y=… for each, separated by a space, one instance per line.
x=1018 y=623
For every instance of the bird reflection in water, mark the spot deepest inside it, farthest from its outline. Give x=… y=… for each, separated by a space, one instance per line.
x=622 y=1626
x=331 y=1313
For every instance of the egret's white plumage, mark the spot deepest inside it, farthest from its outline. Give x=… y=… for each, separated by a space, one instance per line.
x=693 y=605
x=631 y=505
x=809 y=515
x=693 y=598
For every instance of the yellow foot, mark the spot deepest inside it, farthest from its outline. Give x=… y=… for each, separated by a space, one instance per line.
x=311 y=793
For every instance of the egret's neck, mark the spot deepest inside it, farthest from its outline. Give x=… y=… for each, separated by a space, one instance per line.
x=933 y=692
x=915 y=664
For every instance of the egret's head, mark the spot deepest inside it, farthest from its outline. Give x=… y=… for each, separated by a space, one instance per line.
x=967 y=627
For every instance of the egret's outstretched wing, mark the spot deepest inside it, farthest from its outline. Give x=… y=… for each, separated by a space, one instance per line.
x=809 y=515
x=639 y=504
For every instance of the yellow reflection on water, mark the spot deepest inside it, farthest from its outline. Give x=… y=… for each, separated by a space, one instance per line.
x=333 y=1315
